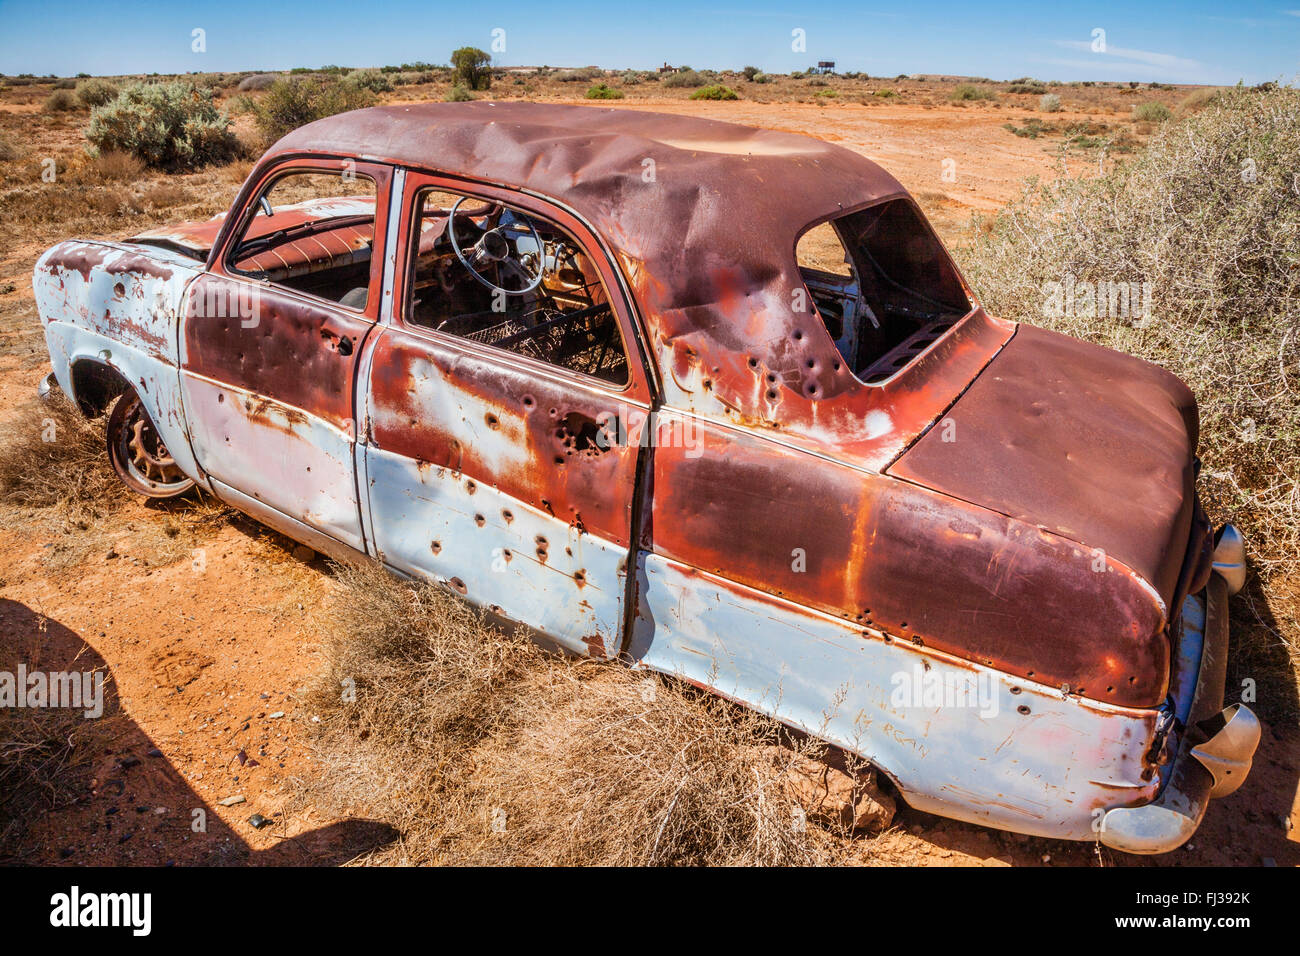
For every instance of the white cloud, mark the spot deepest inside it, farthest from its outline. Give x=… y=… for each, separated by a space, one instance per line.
x=1164 y=61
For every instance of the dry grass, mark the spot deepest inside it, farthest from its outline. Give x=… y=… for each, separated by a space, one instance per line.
x=115 y=166
x=1209 y=215
x=52 y=457
x=483 y=749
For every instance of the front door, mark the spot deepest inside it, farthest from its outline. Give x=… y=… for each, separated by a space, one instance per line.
x=505 y=401
x=271 y=340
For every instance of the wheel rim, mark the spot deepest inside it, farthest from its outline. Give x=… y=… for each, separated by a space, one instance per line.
x=138 y=453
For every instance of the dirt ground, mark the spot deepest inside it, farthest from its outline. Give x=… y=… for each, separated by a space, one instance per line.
x=209 y=642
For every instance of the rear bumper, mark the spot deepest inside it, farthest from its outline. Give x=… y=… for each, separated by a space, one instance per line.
x=1215 y=745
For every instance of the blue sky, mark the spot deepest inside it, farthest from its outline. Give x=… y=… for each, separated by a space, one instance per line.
x=1197 y=42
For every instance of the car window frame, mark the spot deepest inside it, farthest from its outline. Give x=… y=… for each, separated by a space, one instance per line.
x=638 y=386
x=381 y=174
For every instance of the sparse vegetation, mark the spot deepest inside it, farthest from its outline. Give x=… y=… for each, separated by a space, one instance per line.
x=95 y=92
x=372 y=80
x=583 y=74
x=256 y=82
x=716 y=92
x=294 y=101
x=61 y=101
x=1151 y=112
x=683 y=79
x=1207 y=216
x=602 y=92
x=459 y=94
x=1049 y=103
x=470 y=67
x=167 y=125
x=584 y=762
x=966 y=92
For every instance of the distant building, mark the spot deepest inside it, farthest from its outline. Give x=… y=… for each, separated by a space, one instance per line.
x=825 y=66
x=667 y=69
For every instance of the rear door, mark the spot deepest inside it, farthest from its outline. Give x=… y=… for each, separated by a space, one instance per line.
x=271 y=341
x=503 y=430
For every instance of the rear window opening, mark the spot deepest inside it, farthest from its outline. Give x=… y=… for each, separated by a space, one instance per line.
x=883 y=285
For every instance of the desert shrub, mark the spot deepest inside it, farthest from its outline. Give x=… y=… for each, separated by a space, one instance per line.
x=1197 y=100
x=1049 y=103
x=885 y=94
x=761 y=78
x=8 y=151
x=968 y=91
x=297 y=100
x=630 y=78
x=61 y=101
x=1151 y=112
x=581 y=75
x=602 y=92
x=116 y=166
x=683 y=79
x=168 y=125
x=65 y=84
x=258 y=81
x=372 y=80
x=470 y=68
x=714 y=93
x=459 y=93
x=1217 y=245
x=454 y=722
x=96 y=92
x=1026 y=86
x=750 y=72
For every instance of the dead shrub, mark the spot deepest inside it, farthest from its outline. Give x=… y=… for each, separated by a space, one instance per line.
x=116 y=166
x=52 y=456
x=482 y=748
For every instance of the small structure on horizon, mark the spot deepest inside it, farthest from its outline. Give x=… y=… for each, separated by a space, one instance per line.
x=667 y=69
x=825 y=66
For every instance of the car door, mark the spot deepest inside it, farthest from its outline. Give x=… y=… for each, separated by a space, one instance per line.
x=270 y=343
x=505 y=468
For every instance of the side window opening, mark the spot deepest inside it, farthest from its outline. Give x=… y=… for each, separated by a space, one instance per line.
x=313 y=232
x=895 y=294
x=502 y=277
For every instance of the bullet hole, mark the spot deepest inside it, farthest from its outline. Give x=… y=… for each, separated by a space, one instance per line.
x=771 y=395
x=568 y=551
x=435 y=547
x=771 y=377
x=812 y=388
x=507 y=515
x=1030 y=674
x=580 y=577
x=1023 y=710
x=753 y=362
x=119 y=290
x=554 y=412
x=492 y=421
x=798 y=335
x=470 y=487
x=559 y=459
x=480 y=520
x=1132 y=680
x=836 y=366
x=507 y=553
x=1015 y=690
x=458 y=585
x=708 y=385
x=916 y=639
x=1110 y=689
x=528 y=401
x=812 y=363
x=221 y=397
x=542 y=547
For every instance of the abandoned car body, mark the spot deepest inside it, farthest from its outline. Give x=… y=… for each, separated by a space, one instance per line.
x=584 y=367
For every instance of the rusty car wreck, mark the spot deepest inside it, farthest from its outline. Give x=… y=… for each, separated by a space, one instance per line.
x=573 y=363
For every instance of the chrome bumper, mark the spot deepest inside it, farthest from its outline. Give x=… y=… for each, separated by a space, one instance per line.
x=48 y=386
x=1215 y=749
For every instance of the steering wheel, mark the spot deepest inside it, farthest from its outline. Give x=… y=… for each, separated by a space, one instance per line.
x=493 y=246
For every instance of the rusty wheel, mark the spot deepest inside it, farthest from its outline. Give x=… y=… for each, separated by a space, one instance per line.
x=139 y=456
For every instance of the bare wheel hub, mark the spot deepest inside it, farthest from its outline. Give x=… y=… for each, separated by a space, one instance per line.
x=138 y=453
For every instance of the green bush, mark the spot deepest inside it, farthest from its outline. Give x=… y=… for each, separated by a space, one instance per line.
x=761 y=78
x=459 y=93
x=1026 y=86
x=167 y=125
x=470 y=66
x=885 y=94
x=372 y=80
x=602 y=92
x=716 y=92
x=1049 y=103
x=683 y=79
x=94 y=92
x=60 y=101
x=258 y=81
x=750 y=72
x=968 y=91
x=1151 y=112
x=294 y=101
x=65 y=84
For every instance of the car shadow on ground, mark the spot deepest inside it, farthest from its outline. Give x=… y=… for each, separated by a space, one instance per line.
x=105 y=794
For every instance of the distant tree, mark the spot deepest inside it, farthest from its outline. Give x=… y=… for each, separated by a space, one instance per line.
x=750 y=72
x=471 y=67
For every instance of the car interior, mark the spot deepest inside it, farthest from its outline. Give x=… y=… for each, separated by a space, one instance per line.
x=498 y=276
x=883 y=285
